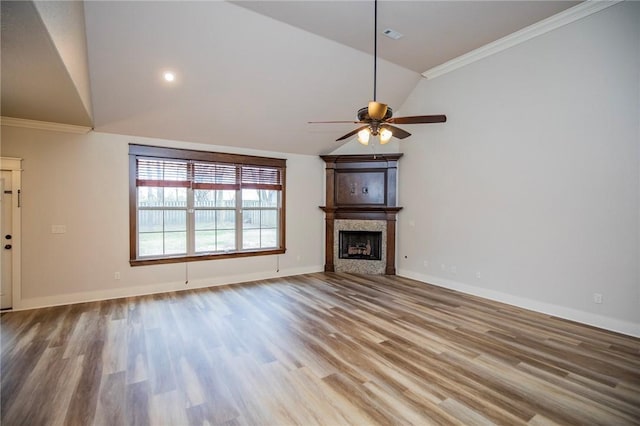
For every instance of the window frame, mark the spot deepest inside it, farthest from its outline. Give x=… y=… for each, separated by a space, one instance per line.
x=164 y=153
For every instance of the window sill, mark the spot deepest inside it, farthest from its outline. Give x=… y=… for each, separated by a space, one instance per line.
x=182 y=259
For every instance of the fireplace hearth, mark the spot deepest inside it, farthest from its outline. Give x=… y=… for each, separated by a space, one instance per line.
x=364 y=245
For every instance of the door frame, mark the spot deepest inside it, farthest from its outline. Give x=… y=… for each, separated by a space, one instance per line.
x=14 y=165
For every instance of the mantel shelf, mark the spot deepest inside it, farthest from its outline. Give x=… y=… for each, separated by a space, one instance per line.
x=363 y=209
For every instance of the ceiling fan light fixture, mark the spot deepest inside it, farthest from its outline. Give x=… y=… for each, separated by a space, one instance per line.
x=385 y=135
x=363 y=136
x=377 y=110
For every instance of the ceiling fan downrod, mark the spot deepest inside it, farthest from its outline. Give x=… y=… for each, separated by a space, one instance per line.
x=376 y=110
x=375 y=48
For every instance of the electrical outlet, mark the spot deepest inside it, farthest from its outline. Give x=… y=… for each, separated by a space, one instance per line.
x=597 y=298
x=426 y=263
x=443 y=266
x=454 y=270
x=58 y=229
x=478 y=275
x=116 y=276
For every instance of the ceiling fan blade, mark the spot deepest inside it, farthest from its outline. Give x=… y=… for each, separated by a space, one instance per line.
x=397 y=131
x=328 y=122
x=417 y=119
x=348 y=135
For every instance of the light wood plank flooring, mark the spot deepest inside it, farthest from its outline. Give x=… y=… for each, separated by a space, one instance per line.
x=327 y=349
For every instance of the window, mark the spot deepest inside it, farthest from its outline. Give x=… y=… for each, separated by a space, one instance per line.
x=195 y=205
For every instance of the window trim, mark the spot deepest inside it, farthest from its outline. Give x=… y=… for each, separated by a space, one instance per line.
x=164 y=153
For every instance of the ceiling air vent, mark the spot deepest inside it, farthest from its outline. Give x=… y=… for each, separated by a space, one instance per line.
x=392 y=34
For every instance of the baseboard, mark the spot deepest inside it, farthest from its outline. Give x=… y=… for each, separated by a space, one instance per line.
x=116 y=293
x=600 y=321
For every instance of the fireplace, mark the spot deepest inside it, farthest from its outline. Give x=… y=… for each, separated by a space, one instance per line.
x=360 y=213
x=365 y=245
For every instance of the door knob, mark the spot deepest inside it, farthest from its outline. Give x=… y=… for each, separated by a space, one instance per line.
x=8 y=236
x=8 y=246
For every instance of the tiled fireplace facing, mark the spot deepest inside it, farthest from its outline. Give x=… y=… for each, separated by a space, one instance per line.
x=360 y=213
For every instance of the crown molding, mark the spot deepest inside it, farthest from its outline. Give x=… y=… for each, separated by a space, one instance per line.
x=565 y=17
x=44 y=125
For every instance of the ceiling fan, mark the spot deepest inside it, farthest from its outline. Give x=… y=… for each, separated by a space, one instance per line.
x=378 y=117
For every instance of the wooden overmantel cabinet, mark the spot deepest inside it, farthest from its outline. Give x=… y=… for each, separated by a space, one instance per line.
x=361 y=187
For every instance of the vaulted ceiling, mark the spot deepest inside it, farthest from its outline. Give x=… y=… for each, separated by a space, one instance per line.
x=248 y=74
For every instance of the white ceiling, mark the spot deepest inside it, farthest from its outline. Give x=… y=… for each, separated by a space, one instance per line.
x=36 y=83
x=434 y=31
x=249 y=74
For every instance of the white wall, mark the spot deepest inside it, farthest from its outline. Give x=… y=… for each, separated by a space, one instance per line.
x=533 y=183
x=81 y=181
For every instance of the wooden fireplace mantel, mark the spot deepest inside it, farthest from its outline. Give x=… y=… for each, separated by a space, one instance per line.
x=361 y=187
x=361 y=213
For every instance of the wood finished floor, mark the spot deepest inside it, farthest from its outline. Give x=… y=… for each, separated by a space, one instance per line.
x=328 y=349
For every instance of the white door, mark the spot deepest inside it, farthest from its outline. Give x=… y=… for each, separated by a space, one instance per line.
x=5 y=240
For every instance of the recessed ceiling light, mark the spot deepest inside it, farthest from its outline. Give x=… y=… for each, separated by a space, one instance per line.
x=392 y=34
x=169 y=76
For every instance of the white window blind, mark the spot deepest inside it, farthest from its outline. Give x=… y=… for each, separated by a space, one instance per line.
x=201 y=175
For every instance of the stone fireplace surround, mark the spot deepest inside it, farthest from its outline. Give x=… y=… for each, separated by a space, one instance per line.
x=361 y=196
